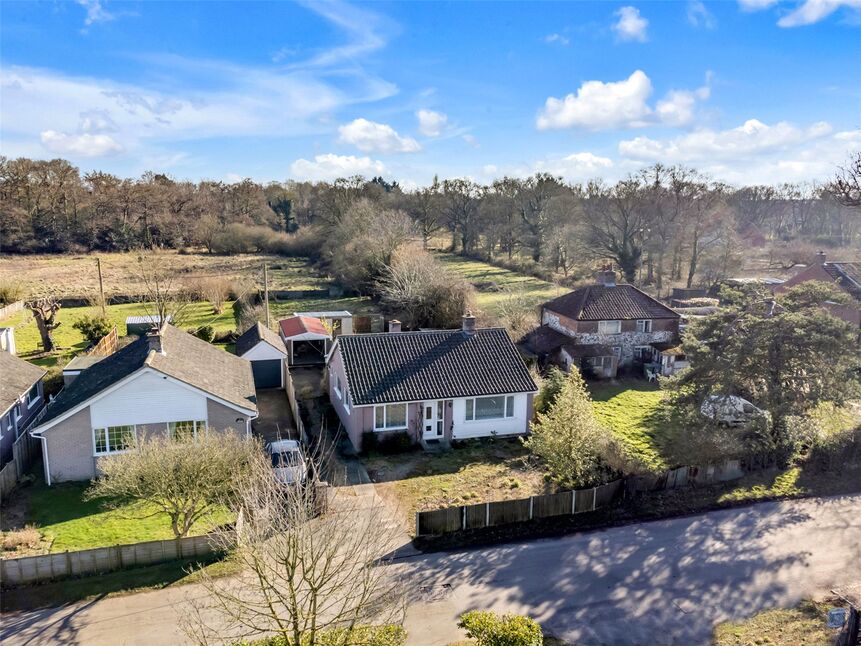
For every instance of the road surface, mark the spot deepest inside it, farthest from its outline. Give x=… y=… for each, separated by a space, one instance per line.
x=665 y=582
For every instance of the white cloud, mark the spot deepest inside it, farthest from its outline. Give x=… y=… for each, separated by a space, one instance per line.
x=370 y=136
x=630 y=25
x=812 y=11
x=700 y=16
x=557 y=38
x=84 y=145
x=96 y=121
x=431 y=123
x=329 y=167
x=574 y=167
x=95 y=12
x=620 y=104
x=365 y=31
x=471 y=141
x=756 y=5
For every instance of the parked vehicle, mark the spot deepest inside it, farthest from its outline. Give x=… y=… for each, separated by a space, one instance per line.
x=730 y=410
x=288 y=461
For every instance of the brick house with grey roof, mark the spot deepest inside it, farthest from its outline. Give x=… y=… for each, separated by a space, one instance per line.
x=21 y=399
x=605 y=328
x=167 y=382
x=434 y=386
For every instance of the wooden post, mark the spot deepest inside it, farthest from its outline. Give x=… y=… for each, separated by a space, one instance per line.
x=101 y=285
x=594 y=498
x=266 y=290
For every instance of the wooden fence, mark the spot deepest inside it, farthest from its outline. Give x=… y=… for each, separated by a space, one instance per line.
x=24 y=451
x=10 y=309
x=46 y=567
x=565 y=503
x=294 y=404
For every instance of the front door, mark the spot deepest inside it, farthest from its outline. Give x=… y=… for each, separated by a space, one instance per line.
x=433 y=420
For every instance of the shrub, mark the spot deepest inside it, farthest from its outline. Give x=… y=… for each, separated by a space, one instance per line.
x=28 y=537
x=491 y=629
x=205 y=332
x=369 y=442
x=93 y=327
x=10 y=292
x=395 y=443
x=247 y=311
x=551 y=386
x=52 y=383
x=388 y=635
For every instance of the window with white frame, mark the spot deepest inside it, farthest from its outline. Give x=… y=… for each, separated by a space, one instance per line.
x=644 y=325
x=17 y=410
x=186 y=429
x=113 y=439
x=390 y=417
x=609 y=327
x=336 y=383
x=643 y=352
x=33 y=395
x=484 y=408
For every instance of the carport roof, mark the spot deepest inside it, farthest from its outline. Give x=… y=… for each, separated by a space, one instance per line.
x=297 y=326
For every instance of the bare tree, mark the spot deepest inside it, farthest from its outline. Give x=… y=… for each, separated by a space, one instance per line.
x=846 y=187
x=461 y=198
x=423 y=207
x=44 y=311
x=165 y=293
x=306 y=576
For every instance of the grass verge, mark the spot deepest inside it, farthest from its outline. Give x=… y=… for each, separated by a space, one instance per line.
x=803 y=625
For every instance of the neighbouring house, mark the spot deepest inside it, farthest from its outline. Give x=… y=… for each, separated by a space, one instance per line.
x=140 y=325
x=165 y=382
x=267 y=354
x=21 y=399
x=434 y=386
x=605 y=328
x=77 y=365
x=307 y=340
x=846 y=275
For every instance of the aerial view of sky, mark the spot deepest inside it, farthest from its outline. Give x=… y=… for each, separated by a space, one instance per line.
x=749 y=91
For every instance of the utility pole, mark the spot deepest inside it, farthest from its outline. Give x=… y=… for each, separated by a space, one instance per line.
x=266 y=291
x=101 y=285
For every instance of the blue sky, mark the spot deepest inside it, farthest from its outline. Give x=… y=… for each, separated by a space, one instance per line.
x=749 y=91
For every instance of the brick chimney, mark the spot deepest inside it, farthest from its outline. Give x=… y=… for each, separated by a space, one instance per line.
x=606 y=277
x=394 y=325
x=153 y=339
x=820 y=257
x=468 y=324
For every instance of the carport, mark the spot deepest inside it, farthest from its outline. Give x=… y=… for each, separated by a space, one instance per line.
x=307 y=340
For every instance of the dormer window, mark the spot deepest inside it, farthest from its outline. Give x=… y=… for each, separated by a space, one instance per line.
x=609 y=327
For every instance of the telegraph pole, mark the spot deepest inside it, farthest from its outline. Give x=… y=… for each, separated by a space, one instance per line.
x=266 y=290
x=101 y=285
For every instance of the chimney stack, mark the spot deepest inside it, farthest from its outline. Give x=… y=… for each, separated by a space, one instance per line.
x=820 y=257
x=606 y=277
x=153 y=338
x=394 y=326
x=468 y=324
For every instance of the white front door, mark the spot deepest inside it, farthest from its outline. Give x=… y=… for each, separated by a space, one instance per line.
x=433 y=420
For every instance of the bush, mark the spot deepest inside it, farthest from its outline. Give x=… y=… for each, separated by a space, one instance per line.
x=205 y=332
x=491 y=629
x=369 y=442
x=247 y=311
x=93 y=327
x=551 y=386
x=395 y=443
x=388 y=635
x=28 y=537
x=52 y=383
x=10 y=292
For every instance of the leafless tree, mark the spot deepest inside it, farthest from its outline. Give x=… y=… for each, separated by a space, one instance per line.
x=306 y=575
x=44 y=311
x=165 y=293
x=846 y=187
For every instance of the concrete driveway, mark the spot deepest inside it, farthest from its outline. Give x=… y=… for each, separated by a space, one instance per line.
x=665 y=582
x=274 y=420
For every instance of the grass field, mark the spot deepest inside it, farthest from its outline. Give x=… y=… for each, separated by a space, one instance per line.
x=479 y=472
x=803 y=625
x=69 y=275
x=494 y=284
x=68 y=522
x=629 y=409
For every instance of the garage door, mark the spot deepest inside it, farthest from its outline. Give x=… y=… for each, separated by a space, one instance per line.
x=267 y=373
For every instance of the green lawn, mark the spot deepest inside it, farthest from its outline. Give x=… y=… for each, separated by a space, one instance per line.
x=495 y=284
x=71 y=342
x=803 y=625
x=629 y=409
x=361 y=305
x=68 y=522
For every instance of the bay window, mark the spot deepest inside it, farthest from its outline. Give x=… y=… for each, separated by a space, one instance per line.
x=484 y=408
x=609 y=327
x=390 y=417
x=113 y=439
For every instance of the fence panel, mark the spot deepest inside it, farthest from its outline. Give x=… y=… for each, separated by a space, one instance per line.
x=439 y=521
x=475 y=516
x=584 y=500
x=8 y=478
x=552 y=504
x=508 y=511
x=10 y=309
x=607 y=493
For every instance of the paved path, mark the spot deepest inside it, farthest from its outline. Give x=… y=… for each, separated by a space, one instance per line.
x=657 y=583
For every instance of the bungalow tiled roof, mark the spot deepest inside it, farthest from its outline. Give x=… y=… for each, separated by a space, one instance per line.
x=16 y=377
x=847 y=275
x=440 y=364
x=183 y=357
x=609 y=303
x=544 y=340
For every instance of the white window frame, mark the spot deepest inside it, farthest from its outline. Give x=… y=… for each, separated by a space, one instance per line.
x=199 y=425
x=469 y=403
x=32 y=401
x=385 y=428
x=641 y=350
x=336 y=385
x=602 y=327
x=645 y=324
x=107 y=440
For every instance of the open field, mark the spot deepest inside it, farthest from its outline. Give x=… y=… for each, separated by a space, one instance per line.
x=803 y=625
x=478 y=472
x=494 y=285
x=76 y=275
x=66 y=521
x=362 y=305
x=629 y=408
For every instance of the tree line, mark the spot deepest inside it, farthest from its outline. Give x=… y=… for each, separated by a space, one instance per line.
x=660 y=225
